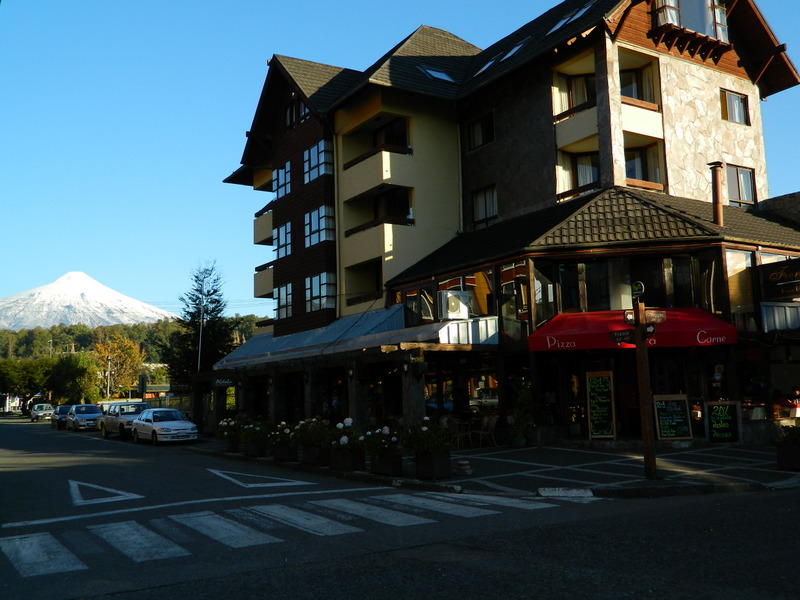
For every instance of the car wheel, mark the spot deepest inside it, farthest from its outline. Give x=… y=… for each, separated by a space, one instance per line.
x=135 y=437
x=104 y=431
x=154 y=437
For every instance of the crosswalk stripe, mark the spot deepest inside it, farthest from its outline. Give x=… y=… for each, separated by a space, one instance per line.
x=374 y=513
x=137 y=542
x=303 y=520
x=441 y=506
x=520 y=503
x=226 y=531
x=39 y=554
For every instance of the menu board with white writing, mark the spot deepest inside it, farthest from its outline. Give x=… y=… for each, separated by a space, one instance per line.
x=600 y=396
x=672 y=417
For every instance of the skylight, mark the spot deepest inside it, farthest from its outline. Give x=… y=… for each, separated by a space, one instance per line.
x=515 y=49
x=436 y=74
x=487 y=65
x=569 y=17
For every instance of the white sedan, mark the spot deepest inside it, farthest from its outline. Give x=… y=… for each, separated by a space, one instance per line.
x=163 y=425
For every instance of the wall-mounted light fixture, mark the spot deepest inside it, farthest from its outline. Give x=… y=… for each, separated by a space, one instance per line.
x=350 y=372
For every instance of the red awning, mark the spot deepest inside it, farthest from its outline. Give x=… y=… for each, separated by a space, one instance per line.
x=585 y=331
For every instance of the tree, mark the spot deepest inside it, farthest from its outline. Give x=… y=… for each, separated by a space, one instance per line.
x=205 y=335
x=75 y=378
x=122 y=359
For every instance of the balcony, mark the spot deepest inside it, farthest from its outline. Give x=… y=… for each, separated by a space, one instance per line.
x=642 y=118
x=262 y=229
x=377 y=168
x=579 y=126
x=263 y=282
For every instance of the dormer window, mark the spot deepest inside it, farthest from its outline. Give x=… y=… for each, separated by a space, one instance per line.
x=707 y=17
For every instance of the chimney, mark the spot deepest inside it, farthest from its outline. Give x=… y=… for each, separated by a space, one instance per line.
x=716 y=192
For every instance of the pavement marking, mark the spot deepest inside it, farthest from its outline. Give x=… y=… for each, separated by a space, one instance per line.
x=303 y=520
x=373 y=513
x=122 y=511
x=137 y=542
x=521 y=503
x=441 y=506
x=114 y=495
x=241 y=478
x=39 y=554
x=226 y=531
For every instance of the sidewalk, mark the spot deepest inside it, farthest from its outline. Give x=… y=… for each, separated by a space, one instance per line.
x=575 y=470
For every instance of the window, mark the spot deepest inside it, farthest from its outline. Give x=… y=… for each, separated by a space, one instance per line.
x=707 y=17
x=319 y=226
x=637 y=83
x=283 y=308
x=571 y=16
x=282 y=180
x=296 y=113
x=283 y=240
x=317 y=160
x=741 y=186
x=393 y=206
x=484 y=207
x=574 y=91
x=734 y=107
x=480 y=131
x=643 y=164
x=394 y=133
x=434 y=73
x=320 y=292
x=575 y=171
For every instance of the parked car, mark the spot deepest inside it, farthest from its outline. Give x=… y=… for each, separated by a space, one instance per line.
x=163 y=425
x=82 y=416
x=59 y=417
x=119 y=416
x=41 y=411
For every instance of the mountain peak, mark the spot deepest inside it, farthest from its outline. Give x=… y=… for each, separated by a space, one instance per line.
x=75 y=298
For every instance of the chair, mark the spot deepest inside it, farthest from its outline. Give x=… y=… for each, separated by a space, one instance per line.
x=455 y=434
x=488 y=424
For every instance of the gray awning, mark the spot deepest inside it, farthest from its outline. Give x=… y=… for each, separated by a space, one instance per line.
x=357 y=332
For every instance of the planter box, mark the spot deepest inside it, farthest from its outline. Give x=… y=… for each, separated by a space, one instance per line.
x=788 y=457
x=386 y=465
x=255 y=448
x=343 y=459
x=285 y=453
x=316 y=455
x=433 y=465
x=232 y=443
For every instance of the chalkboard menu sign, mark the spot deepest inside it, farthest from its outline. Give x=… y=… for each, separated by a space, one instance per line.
x=600 y=394
x=672 y=417
x=723 y=422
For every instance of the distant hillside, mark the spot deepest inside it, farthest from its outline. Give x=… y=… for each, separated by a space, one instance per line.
x=73 y=299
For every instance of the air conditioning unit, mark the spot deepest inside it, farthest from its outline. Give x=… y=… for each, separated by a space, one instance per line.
x=453 y=305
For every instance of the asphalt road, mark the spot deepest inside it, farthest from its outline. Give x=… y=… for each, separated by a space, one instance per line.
x=82 y=517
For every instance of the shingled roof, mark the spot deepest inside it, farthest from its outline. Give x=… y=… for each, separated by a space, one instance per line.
x=614 y=217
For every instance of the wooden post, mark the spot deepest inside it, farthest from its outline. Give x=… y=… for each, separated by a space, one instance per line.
x=645 y=393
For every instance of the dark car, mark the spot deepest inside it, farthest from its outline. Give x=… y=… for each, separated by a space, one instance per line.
x=82 y=416
x=58 y=420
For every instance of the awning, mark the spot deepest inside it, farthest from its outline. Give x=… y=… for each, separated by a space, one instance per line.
x=592 y=330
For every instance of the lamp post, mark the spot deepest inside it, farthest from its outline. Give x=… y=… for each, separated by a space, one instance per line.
x=108 y=378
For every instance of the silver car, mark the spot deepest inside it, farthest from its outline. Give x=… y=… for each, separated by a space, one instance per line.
x=41 y=411
x=163 y=425
x=82 y=416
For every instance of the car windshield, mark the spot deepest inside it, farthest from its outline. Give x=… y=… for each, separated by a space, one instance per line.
x=42 y=407
x=62 y=409
x=88 y=409
x=133 y=409
x=168 y=415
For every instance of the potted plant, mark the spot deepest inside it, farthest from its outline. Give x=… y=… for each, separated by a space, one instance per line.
x=385 y=452
x=230 y=430
x=315 y=436
x=281 y=440
x=348 y=450
x=788 y=448
x=428 y=445
x=254 y=436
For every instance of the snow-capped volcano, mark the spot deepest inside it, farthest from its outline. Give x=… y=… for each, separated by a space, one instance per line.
x=72 y=299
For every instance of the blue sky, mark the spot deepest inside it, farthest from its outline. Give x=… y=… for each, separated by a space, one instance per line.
x=120 y=119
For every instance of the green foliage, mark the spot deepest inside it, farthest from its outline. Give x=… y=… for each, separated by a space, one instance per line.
x=427 y=436
x=75 y=378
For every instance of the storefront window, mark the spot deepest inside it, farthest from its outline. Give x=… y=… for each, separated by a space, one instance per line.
x=481 y=285
x=740 y=289
x=544 y=294
x=419 y=302
x=514 y=295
